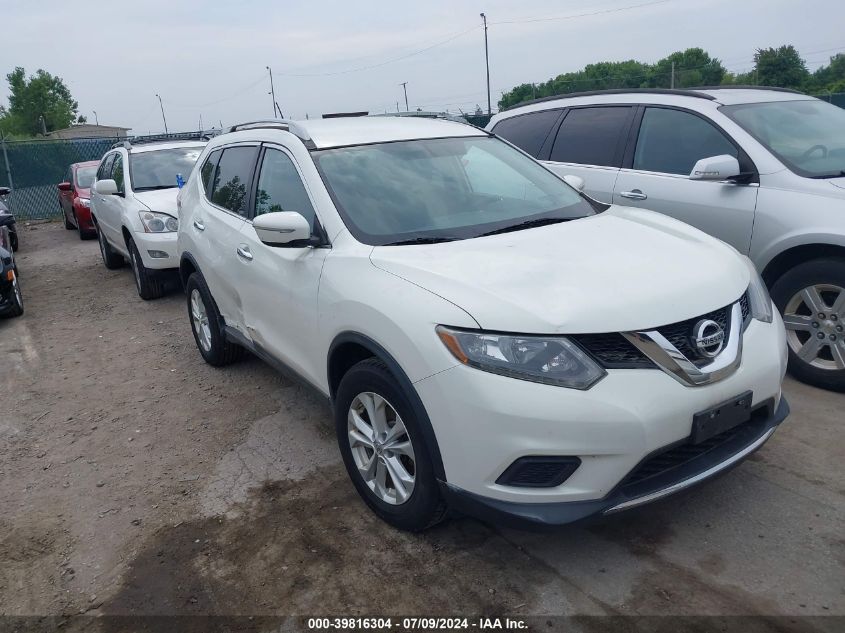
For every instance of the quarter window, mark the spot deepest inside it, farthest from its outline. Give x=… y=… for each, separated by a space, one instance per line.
x=528 y=131
x=280 y=188
x=207 y=171
x=592 y=136
x=117 y=172
x=232 y=178
x=673 y=141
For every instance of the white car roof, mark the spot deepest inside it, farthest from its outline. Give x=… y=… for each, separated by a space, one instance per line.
x=157 y=145
x=344 y=131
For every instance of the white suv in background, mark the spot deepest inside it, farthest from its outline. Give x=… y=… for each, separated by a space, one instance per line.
x=762 y=169
x=490 y=339
x=133 y=206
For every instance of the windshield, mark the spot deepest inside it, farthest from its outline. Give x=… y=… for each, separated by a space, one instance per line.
x=157 y=169
x=85 y=176
x=442 y=189
x=808 y=136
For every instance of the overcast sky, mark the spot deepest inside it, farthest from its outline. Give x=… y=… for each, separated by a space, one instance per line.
x=208 y=59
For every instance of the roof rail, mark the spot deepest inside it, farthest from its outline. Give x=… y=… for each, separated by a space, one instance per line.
x=128 y=143
x=616 y=91
x=277 y=124
x=741 y=87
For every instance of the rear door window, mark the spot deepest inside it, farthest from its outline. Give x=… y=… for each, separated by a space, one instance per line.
x=528 y=131
x=593 y=136
x=232 y=179
x=673 y=141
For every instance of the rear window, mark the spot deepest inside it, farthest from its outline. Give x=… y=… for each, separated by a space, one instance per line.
x=85 y=176
x=528 y=131
x=592 y=136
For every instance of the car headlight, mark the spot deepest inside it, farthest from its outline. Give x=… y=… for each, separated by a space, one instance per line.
x=759 y=301
x=155 y=222
x=551 y=360
x=83 y=202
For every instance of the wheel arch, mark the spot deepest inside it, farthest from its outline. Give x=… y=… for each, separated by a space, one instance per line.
x=795 y=255
x=349 y=348
x=187 y=266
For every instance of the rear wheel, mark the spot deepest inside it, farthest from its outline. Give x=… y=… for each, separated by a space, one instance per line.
x=811 y=298
x=68 y=224
x=206 y=322
x=383 y=450
x=148 y=286
x=111 y=258
x=16 y=299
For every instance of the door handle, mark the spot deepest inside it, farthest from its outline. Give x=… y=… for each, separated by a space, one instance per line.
x=199 y=226
x=244 y=252
x=634 y=194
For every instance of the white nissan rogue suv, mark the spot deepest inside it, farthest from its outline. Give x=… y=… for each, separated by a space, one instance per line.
x=490 y=340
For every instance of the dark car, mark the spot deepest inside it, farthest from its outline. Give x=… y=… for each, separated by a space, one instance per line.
x=11 y=227
x=75 y=198
x=11 y=301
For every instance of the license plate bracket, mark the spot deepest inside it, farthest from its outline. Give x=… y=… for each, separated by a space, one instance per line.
x=721 y=418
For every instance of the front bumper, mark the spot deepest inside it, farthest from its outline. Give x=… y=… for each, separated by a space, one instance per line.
x=163 y=244
x=625 y=497
x=484 y=422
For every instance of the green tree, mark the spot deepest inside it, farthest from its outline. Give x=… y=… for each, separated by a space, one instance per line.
x=830 y=78
x=781 y=67
x=37 y=96
x=693 y=67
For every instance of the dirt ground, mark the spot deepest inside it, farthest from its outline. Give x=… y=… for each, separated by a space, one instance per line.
x=136 y=479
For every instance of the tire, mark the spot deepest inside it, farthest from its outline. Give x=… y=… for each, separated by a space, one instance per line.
x=111 y=259
x=82 y=234
x=145 y=282
x=17 y=299
x=423 y=507
x=215 y=348
x=818 y=335
x=68 y=225
x=13 y=238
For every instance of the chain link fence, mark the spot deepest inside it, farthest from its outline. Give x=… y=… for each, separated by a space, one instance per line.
x=32 y=169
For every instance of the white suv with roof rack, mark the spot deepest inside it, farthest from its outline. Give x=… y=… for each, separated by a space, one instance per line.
x=490 y=340
x=133 y=206
x=761 y=168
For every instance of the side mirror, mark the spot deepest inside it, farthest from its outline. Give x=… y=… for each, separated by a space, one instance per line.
x=576 y=182
x=106 y=187
x=65 y=186
x=5 y=191
x=283 y=228
x=715 y=168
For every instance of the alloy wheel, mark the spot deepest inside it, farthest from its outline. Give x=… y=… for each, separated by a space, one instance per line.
x=17 y=289
x=199 y=318
x=135 y=268
x=101 y=239
x=815 y=326
x=381 y=448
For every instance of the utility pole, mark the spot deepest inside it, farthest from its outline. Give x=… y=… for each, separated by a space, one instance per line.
x=96 y=120
x=487 y=62
x=672 y=80
x=404 y=85
x=279 y=108
x=162 y=113
x=272 y=92
x=201 y=129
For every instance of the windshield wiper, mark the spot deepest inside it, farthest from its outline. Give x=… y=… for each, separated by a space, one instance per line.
x=421 y=240
x=528 y=224
x=834 y=174
x=154 y=187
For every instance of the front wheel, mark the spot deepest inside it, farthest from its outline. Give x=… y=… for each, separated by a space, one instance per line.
x=16 y=299
x=811 y=298
x=145 y=282
x=206 y=322
x=383 y=450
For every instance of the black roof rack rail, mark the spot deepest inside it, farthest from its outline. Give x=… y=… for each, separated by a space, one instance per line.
x=128 y=143
x=742 y=87
x=615 y=91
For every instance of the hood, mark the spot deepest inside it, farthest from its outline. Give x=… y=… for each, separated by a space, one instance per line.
x=163 y=200
x=837 y=182
x=625 y=269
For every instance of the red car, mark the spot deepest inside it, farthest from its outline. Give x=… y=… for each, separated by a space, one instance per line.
x=75 y=198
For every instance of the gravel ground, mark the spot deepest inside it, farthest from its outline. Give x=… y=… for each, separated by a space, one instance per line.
x=135 y=479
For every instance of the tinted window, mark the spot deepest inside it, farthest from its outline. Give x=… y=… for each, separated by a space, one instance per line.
x=280 y=188
x=528 y=131
x=85 y=177
x=117 y=172
x=157 y=169
x=672 y=141
x=207 y=171
x=232 y=178
x=449 y=188
x=592 y=136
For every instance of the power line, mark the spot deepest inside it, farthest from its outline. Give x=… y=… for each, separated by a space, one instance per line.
x=583 y=15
